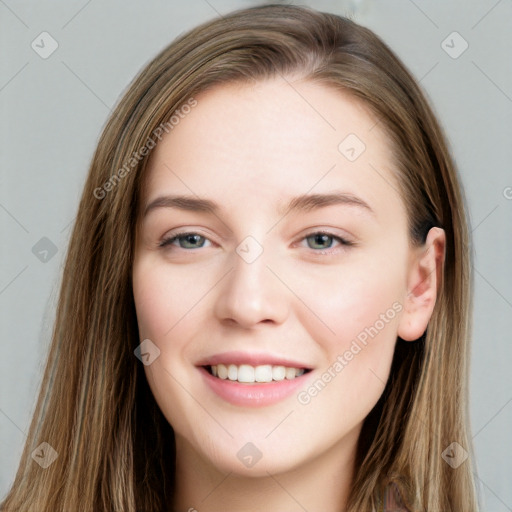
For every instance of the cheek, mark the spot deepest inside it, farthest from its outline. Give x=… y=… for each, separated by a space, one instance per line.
x=346 y=300
x=163 y=300
x=170 y=306
x=359 y=312
x=167 y=316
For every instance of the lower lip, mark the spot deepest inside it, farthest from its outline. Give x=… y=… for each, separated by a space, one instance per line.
x=253 y=395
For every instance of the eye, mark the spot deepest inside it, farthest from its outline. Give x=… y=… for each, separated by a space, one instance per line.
x=321 y=239
x=189 y=238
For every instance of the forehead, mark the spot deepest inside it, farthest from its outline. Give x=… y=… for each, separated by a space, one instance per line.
x=260 y=142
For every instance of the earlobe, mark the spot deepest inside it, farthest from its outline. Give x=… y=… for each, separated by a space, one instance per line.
x=424 y=282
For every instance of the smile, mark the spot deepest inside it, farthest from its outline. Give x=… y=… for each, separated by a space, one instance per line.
x=246 y=373
x=237 y=384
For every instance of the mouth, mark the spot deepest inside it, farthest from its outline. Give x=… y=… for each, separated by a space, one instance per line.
x=248 y=374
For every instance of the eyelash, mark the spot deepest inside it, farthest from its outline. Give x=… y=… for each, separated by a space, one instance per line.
x=343 y=242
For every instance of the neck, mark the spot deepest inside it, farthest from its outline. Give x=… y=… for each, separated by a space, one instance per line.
x=323 y=483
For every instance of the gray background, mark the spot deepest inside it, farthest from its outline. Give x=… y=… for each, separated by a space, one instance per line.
x=53 y=109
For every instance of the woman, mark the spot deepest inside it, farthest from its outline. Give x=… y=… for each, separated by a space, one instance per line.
x=254 y=371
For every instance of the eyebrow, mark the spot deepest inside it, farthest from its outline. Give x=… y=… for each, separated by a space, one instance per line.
x=303 y=203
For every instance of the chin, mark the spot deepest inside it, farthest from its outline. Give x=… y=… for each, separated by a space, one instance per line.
x=273 y=462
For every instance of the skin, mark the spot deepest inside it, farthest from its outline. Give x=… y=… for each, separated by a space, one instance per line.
x=251 y=148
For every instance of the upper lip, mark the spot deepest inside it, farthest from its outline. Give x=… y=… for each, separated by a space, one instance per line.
x=253 y=359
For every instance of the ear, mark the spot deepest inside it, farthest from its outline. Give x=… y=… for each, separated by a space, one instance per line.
x=424 y=280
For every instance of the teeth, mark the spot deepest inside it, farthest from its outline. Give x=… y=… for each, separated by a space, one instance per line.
x=222 y=371
x=290 y=373
x=232 y=372
x=263 y=373
x=278 y=372
x=243 y=373
x=247 y=373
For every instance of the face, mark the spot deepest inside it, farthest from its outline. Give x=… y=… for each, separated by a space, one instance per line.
x=308 y=300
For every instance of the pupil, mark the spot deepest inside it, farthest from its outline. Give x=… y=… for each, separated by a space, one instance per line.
x=191 y=239
x=321 y=238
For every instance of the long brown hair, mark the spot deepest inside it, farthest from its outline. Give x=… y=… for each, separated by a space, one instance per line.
x=115 y=448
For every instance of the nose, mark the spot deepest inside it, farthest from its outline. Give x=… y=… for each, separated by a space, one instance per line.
x=252 y=293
